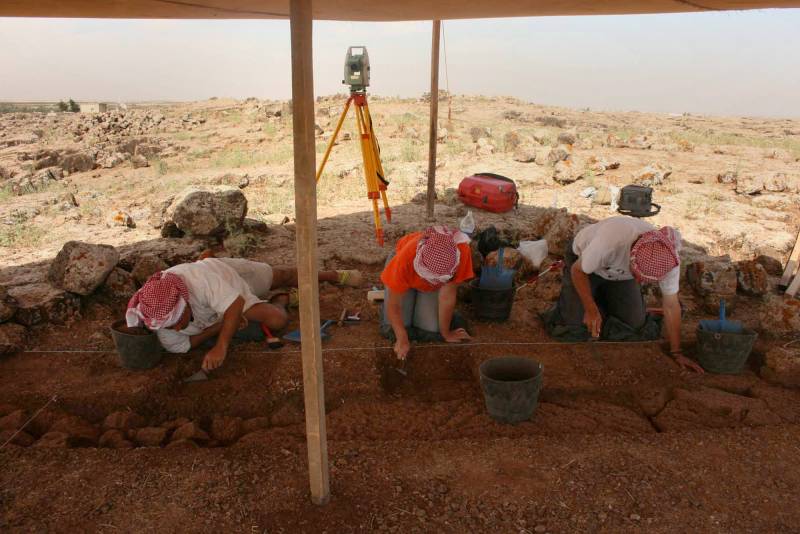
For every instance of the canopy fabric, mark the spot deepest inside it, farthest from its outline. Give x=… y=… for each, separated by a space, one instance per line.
x=365 y=10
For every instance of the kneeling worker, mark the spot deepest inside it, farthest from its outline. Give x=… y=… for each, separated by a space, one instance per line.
x=189 y=304
x=605 y=265
x=421 y=278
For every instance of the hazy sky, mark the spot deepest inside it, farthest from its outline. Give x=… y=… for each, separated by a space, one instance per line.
x=737 y=63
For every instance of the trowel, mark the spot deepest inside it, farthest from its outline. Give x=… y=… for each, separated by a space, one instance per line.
x=199 y=376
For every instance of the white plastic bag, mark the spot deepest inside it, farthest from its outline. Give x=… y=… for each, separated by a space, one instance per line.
x=534 y=251
x=467 y=224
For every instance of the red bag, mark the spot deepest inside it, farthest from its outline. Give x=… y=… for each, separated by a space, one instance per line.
x=490 y=192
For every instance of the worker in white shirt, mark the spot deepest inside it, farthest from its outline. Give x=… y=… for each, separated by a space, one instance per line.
x=189 y=304
x=607 y=263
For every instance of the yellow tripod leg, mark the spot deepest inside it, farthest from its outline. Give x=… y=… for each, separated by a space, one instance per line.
x=333 y=139
x=369 y=172
x=378 y=164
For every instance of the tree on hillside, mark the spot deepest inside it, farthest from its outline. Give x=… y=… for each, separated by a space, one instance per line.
x=62 y=106
x=74 y=107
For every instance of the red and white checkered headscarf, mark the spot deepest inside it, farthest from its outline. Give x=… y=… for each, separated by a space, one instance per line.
x=159 y=303
x=437 y=254
x=655 y=254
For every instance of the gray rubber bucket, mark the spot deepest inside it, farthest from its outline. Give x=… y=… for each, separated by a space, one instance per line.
x=724 y=352
x=511 y=388
x=492 y=304
x=138 y=348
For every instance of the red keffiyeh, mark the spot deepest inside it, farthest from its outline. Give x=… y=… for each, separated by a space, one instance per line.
x=655 y=254
x=437 y=254
x=159 y=303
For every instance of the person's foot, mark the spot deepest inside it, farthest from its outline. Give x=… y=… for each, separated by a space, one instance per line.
x=287 y=299
x=350 y=277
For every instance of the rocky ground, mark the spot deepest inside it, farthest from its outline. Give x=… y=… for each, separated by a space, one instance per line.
x=621 y=440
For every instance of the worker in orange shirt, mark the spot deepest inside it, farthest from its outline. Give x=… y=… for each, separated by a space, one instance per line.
x=421 y=277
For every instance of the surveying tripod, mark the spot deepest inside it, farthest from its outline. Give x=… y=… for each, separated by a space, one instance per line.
x=370 y=154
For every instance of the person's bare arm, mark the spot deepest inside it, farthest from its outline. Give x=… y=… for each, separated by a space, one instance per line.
x=209 y=333
x=447 y=304
x=231 y=321
x=591 y=313
x=672 y=323
x=394 y=312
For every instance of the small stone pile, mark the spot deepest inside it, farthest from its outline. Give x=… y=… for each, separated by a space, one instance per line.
x=55 y=429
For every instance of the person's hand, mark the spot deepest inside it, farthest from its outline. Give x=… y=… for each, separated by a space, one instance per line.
x=686 y=364
x=401 y=348
x=242 y=323
x=214 y=358
x=593 y=321
x=456 y=336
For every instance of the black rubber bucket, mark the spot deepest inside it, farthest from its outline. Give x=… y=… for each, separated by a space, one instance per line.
x=138 y=348
x=722 y=352
x=511 y=388
x=492 y=304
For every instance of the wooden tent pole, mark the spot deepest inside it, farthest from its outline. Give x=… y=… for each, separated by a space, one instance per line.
x=437 y=28
x=305 y=197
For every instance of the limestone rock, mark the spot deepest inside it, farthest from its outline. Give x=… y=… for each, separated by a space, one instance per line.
x=772 y=265
x=8 y=305
x=13 y=421
x=752 y=278
x=749 y=185
x=226 y=429
x=525 y=153
x=513 y=139
x=478 y=131
x=82 y=267
x=216 y=210
x=123 y=421
x=727 y=177
x=77 y=162
x=182 y=444
x=653 y=174
x=121 y=218
x=12 y=338
x=119 y=285
x=777 y=183
x=484 y=148
x=151 y=436
x=146 y=267
x=556 y=154
x=567 y=171
x=712 y=277
x=114 y=439
x=139 y=162
x=780 y=315
x=79 y=430
x=55 y=440
x=255 y=423
x=21 y=439
x=41 y=302
x=558 y=229
x=567 y=138
x=190 y=431
x=147 y=150
x=172 y=251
